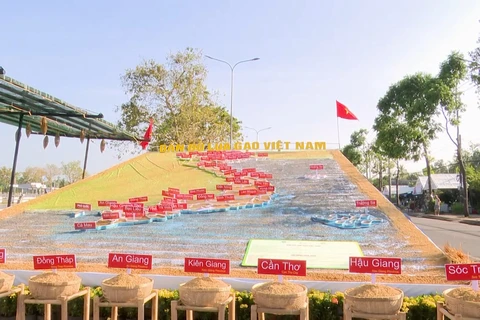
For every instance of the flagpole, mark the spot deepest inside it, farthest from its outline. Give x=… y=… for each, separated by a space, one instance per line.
x=338 y=132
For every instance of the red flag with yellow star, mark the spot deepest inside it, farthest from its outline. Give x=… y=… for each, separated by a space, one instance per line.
x=344 y=113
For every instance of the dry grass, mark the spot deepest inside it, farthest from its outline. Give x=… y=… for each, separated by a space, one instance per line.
x=456 y=255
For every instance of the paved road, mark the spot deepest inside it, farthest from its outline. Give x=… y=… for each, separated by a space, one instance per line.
x=458 y=235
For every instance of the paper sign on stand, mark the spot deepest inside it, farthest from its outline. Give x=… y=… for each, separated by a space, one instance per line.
x=54 y=262
x=464 y=271
x=130 y=261
x=374 y=265
x=282 y=267
x=3 y=255
x=206 y=266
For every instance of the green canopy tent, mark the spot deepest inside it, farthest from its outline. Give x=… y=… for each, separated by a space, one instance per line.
x=27 y=107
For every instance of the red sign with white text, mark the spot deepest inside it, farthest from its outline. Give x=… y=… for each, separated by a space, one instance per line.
x=110 y=215
x=262 y=154
x=227 y=197
x=85 y=225
x=462 y=271
x=58 y=261
x=220 y=266
x=174 y=190
x=316 y=167
x=375 y=265
x=138 y=199
x=182 y=196
x=83 y=206
x=106 y=203
x=224 y=187
x=3 y=255
x=197 y=191
x=129 y=261
x=282 y=267
x=365 y=203
x=205 y=196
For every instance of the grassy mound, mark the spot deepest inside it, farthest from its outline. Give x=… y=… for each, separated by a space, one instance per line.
x=145 y=175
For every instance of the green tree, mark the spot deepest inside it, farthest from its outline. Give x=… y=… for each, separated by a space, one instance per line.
x=5 y=175
x=32 y=174
x=51 y=172
x=358 y=150
x=474 y=66
x=407 y=114
x=72 y=171
x=175 y=95
x=452 y=72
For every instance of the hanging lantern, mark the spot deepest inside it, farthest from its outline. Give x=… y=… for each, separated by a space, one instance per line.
x=45 y=142
x=44 y=125
x=102 y=145
x=57 y=140
x=82 y=135
x=28 y=130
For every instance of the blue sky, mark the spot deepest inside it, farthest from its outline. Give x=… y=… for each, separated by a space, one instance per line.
x=311 y=54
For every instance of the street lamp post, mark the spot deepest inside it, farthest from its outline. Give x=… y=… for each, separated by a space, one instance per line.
x=258 y=131
x=231 y=89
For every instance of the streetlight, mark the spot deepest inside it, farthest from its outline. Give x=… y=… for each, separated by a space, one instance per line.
x=258 y=131
x=231 y=90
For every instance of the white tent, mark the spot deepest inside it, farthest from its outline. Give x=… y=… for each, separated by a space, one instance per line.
x=441 y=181
x=401 y=189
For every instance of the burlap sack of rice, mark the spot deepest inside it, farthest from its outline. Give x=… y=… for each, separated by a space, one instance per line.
x=280 y=295
x=6 y=281
x=50 y=286
x=464 y=301
x=126 y=287
x=204 y=292
x=374 y=299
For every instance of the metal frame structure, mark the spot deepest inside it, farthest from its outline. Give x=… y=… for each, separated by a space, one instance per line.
x=22 y=106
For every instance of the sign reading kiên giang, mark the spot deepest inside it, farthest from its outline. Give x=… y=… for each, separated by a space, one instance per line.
x=220 y=266
x=365 y=203
x=462 y=271
x=282 y=267
x=129 y=261
x=375 y=265
x=57 y=261
x=3 y=255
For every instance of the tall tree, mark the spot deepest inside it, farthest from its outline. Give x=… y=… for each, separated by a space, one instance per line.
x=474 y=66
x=175 y=95
x=452 y=72
x=32 y=174
x=72 y=171
x=51 y=172
x=5 y=175
x=357 y=150
x=409 y=108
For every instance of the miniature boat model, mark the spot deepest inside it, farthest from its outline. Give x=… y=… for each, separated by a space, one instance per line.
x=348 y=220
